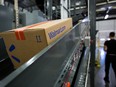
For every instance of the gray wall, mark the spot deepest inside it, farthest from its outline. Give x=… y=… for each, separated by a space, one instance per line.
x=6 y=18
x=31 y=18
x=26 y=17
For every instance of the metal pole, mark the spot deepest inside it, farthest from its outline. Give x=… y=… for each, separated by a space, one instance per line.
x=88 y=10
x=64 y=9
x=92 y=17
x=74 y=7
x=49 y=7
x=16 y=13
x=69 y=6
x=1 y=2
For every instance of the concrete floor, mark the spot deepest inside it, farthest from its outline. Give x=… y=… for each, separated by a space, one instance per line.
x=99 y=75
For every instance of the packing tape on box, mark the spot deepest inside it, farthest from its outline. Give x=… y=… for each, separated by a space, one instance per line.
x=19 y=33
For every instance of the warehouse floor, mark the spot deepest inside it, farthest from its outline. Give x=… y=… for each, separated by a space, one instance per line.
x=99 y=75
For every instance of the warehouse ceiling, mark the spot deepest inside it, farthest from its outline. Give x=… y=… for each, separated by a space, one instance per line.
x=103 y=7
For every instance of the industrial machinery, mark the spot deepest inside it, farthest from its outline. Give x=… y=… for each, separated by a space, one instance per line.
x=64 y=62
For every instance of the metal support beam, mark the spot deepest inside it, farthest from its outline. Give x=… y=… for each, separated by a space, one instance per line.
x=92 y=17
x=69 y=6
x=74 y=7
x=49 y=9
x=97 y=4
x=16 y=13
x=107 y=0
x=1 y=2
x=86 y=3
x=64 y=9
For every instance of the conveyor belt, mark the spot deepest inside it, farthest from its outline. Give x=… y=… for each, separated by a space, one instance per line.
x=45 y=71
x=82 y=76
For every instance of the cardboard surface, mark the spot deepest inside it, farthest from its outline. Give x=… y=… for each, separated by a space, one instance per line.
x=23 y=43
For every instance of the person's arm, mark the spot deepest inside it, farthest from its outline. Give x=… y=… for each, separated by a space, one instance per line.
x=105 y=46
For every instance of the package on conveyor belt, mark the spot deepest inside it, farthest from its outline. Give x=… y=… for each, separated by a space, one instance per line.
x=23 y=43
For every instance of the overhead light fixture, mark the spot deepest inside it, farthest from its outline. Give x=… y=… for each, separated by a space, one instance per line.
x=109 y=7
x=103 y=8
x=85 y=20
x=106 y=16
x=107 y=11
x=78 y=3
x=108 y=38
x=53 y=8
x=102 y=39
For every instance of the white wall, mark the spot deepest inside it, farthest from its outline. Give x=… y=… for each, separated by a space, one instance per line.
x=105 y=27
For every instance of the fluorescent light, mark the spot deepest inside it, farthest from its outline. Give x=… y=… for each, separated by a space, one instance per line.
x=109 y=7
x=107 y=11
x=53 y=8
x=106 y=16
x=78 y=3
x=102 y=39
x=108 y=38
x=85 y=20
x=102 y=8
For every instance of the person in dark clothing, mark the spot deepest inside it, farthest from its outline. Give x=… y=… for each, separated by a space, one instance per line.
x=110 y=48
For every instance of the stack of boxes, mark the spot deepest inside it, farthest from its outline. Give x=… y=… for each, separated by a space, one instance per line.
x=23 y=43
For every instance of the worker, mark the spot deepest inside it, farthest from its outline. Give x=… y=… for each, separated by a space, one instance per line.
x=110 y=48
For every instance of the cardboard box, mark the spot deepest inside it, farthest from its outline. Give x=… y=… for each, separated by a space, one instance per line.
x=23 y=43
